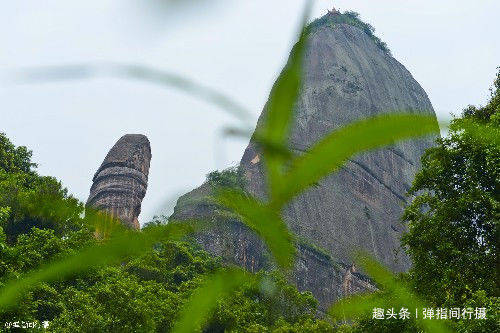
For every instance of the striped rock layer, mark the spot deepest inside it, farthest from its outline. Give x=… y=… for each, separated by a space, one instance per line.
x=120 y=183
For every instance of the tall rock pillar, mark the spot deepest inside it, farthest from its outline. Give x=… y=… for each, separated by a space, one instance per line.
x=120 y=183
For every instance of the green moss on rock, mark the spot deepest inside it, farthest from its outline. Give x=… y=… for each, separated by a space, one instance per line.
x=351 y=18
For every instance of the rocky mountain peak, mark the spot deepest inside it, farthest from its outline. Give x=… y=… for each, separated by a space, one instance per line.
x=348 y=74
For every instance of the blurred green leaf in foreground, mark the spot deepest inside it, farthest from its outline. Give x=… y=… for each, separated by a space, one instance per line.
x=287 y=176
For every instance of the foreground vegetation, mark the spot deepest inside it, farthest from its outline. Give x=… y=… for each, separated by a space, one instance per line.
x=453 y=224
x=83 y=274
x=454 y=220
x=140 y=294
x=453 y=258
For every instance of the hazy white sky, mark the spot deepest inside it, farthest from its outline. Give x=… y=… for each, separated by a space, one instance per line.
x=451 y=47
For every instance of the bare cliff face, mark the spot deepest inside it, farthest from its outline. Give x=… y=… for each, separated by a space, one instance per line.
x=120 y=183
x=347 y=77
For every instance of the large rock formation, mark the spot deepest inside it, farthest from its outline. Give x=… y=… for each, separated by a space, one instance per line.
x=120 y=183
x=348 y=75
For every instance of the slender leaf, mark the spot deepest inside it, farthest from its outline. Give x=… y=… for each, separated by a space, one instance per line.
x=271 y=148
x=266 y=222
x=204 y=299
x=120 y=245
x=486 y=134
x=137 y=72
x=399 y=295
x=336 y=148
x=279 y=110
x=356 y=305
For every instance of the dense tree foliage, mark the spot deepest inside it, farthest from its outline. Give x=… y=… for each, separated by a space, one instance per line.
x=142 y=294
x=452 y=238
x=145 y=294
x=453 y=220
x=231 y=177
x=22 y=190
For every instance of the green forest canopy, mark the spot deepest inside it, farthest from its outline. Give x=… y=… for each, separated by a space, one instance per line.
x=144 y=294
x=458 y=183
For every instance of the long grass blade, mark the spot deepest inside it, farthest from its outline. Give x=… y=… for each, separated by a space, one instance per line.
x=484 y=133
x=205 y=298
x=398 y=295
x=120 y=245
x=356 y=305
x=266 y=222
x=136 y=72
x=336 y=148
x=278 y=114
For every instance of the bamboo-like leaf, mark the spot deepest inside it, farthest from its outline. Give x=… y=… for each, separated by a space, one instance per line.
x=188 y=86
x=270 y=147
x=337 y=147
x=272 y=137
x=356 y=305
x=266 y=222
x=121 y=244
x=137 y=72
x=205 y=298
x=488 y=133
x=279 y=110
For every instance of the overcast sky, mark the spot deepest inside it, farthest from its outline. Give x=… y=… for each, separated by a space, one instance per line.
x=238 y=47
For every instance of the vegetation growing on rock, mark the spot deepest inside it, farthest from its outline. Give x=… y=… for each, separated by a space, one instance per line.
x=229 y=178
x=351 y=18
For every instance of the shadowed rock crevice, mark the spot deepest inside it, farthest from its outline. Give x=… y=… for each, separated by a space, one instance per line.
x=380 y=181
x=120 y=183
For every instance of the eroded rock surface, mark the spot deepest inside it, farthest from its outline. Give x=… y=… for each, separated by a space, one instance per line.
x=347 y=77
x=120 y=183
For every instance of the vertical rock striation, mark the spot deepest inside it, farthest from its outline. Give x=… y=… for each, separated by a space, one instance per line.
x=120 y=183
x=348 y=76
